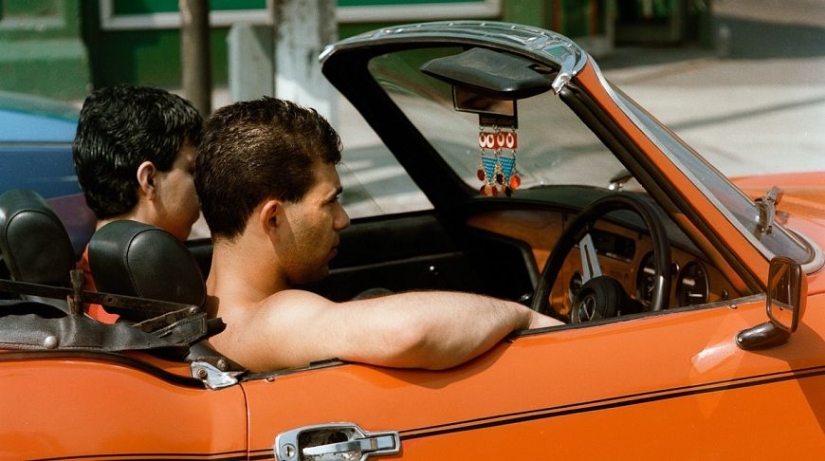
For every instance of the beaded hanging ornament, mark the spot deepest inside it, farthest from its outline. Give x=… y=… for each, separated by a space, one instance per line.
x=497 y=167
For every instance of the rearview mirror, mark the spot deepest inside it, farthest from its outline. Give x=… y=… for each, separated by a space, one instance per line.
x=787 y=293
x=491 y=112
x=468 y=101
x=488 y=83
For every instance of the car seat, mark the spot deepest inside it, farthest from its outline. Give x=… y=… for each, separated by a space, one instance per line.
x=139 y=260
x=136 y=259
x=34 y=245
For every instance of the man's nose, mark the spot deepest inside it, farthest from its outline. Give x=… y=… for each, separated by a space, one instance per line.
x=341 y=221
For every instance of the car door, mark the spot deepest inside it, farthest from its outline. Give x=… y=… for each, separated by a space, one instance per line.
x=674 y=384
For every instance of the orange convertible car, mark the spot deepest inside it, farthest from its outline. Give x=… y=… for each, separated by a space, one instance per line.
x=694 y=308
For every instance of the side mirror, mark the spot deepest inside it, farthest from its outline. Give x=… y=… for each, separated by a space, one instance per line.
x=787 y=295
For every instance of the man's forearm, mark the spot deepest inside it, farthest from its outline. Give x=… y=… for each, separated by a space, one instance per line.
x=446 y=329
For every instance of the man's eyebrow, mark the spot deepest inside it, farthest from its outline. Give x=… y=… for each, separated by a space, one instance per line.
x=335 y=193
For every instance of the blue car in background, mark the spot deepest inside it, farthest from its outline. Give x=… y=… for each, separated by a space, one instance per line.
x=36 y=145
x=36 y=137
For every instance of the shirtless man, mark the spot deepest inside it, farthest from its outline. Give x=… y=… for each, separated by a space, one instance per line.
x=269 y=192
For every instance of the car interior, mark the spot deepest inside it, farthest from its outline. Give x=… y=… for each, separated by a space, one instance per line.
x=499 y=243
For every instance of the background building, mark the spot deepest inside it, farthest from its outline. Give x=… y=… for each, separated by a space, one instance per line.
x=63 y=48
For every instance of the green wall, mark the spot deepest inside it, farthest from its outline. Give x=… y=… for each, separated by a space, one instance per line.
x=58 y=48
x=41 y=51
x=152 y=56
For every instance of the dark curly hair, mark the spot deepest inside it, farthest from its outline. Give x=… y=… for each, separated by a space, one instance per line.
x=121 y=127
x=255 y=150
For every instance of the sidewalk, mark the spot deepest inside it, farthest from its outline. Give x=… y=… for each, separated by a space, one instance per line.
x=759 y=108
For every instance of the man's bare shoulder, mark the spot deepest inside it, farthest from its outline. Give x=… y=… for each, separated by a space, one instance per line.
x=294 y=298
x=243 y=313
x=256 y=332
x=292 y=304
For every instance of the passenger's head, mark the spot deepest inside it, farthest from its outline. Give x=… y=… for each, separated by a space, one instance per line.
x=254 y=151
x=135 y=140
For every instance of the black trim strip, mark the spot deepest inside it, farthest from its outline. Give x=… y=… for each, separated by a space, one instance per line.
x=264 y=453
x=610 y=403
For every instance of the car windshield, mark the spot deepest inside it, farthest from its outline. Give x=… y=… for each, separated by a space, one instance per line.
x=554 y=147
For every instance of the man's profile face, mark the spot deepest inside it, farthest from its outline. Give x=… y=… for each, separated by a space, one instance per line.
x=178 y=207
x=311 y=236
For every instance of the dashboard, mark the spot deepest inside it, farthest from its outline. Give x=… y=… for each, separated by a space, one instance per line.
x=624 y=253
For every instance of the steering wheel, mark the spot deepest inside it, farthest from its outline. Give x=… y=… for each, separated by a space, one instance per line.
x=601 y=296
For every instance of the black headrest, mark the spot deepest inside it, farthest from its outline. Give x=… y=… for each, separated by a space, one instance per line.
x=33 y=242
x=135 y=259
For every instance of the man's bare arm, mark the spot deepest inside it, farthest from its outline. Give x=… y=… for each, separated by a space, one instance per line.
x=432 y=330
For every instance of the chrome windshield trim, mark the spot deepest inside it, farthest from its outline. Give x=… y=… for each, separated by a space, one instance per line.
x=542 y=45
x=818 y=260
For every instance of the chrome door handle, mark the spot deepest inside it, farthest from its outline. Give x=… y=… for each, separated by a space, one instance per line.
x=376 y=444
x=345 y=441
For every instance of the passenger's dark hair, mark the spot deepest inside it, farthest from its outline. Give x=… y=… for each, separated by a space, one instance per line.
x=120 y=127
x=252 y=151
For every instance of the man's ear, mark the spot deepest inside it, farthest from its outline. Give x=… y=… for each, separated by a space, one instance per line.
x=146 y=175
x=271 y=216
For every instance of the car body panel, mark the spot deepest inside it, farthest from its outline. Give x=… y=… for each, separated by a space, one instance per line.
x=34 y=119
x=96 y=405
x=43 y=168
